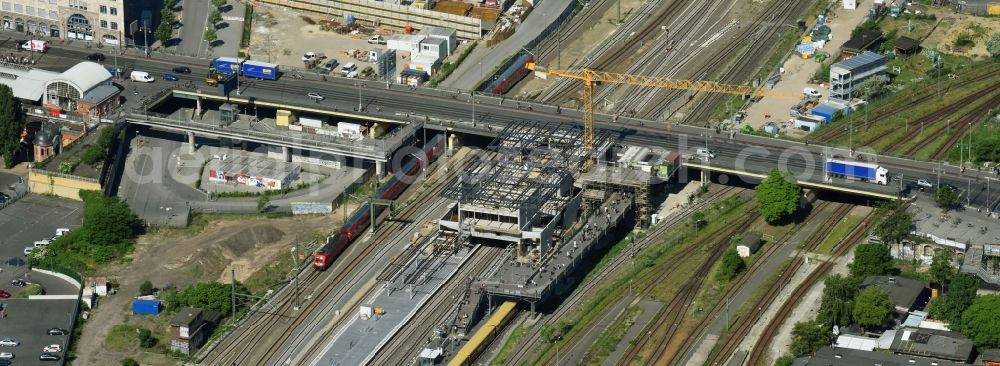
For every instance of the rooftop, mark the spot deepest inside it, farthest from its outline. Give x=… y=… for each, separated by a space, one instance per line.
x=903 y=292
x=863 y=40
x=862 y=60
x=831 y=356
x=185 y=316
x=29 y=83
x=932 y=343
x=99 y=94
x=907 y=44
x=438 y=31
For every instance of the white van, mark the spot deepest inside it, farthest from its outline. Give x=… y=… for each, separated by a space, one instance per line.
x=42 y=243
x=348 y=68
x=61 y=231
x=705 y=153
x=36 y=45
x=28 y=250
x=142 y=76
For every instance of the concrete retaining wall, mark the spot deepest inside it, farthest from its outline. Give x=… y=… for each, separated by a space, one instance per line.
x=388 y=14
x=61 y=276
x=67 y=186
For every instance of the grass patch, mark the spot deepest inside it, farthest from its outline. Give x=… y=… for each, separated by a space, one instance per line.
x=272 y=274
x=609 y=338
x=32 y=289
x=513 y=341
x=122 y=337
x=839 y=233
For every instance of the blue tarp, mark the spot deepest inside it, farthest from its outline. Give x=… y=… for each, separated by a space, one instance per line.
x=825 y=111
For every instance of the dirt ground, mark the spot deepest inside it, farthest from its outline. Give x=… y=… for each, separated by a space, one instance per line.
x=284 y=36
x=953 y=25
x=181 y=257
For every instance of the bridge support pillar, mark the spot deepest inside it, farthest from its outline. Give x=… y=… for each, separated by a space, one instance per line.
x=379 y=169
x=704 y=177
x=286 y=154
x=191 y=146
x=197 y=108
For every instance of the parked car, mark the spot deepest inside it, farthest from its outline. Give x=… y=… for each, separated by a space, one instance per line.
x=811 y=92
x=9 y=342
x=4 y=362
x=4 y=294
x=315 y=96
x=49 y=357
x=330 y=66
x=28 y=250
x=19 y=283
x=57 y=331
x=705 y=153
x=923 y=183
x=52 y=348
x=96 y=56
x=182 y=70
x=6 y=355
x=170 y=77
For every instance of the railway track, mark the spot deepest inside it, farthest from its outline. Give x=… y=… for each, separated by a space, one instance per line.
x=940 y=122
x=927 y=93
x=403 y=347
x=966 y=122
x=252 y=343
x=763 y=343
x=672 y=316
x=744 y=323
x=525 y=354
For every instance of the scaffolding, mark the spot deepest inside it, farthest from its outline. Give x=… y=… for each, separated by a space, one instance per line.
x=604 y=179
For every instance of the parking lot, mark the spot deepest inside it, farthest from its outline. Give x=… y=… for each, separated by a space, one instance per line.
x=27 y=220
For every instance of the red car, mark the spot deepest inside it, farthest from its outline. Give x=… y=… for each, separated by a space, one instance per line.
x=4 y=294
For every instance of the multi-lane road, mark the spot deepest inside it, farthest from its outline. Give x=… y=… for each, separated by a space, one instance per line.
x=455 y=109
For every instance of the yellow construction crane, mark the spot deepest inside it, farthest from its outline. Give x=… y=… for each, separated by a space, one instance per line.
x=589 y=77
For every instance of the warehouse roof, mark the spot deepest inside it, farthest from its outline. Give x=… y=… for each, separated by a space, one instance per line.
x=859 y=61
x=438 y=31
x=863 y=40
x=934 y=343
x=830 y=356
x=903 y=292
x=99 y=94
x=29 y=83
x=85 y=75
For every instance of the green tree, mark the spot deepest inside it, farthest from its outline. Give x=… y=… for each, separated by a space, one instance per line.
x=896 y=222
x=941 y=270
x=981 y=323
x=214 y=17
x=128 y=361
x=785 y=360
x=838 y=300
x=777 y=196
x=263 y=202
x=11 y=126
x=731 y=265
x=960 y=295
x=107 y=221
x=164 y=32
x=146 y=339
x=146 y=288
x=872 y=87
x=946 y=197
x=213 y=296
x=218 y=3
x=872 y=307
x=807 y=337
x=993 y=45
x=211 y=36
x=871 y=260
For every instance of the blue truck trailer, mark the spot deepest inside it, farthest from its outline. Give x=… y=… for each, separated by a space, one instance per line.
x=227 y=65
x=869 y=172
x=260 y=70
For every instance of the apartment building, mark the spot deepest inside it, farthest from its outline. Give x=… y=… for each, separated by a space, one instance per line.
x=845 y=76
x=92 y=20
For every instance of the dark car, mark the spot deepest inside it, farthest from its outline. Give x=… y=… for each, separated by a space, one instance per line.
x=169 y=77
x=19 y=282
x=96 y=56
x=57 y=331
x=4 y=362
x=182 y=70
x=4 y=294
x=49 y=357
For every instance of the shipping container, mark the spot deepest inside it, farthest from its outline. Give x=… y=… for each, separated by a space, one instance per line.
x=227 y=65
x=261 y=70
x=146 y=306
x=869 y=172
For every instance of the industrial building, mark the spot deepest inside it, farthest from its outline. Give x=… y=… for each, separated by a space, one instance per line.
x=847 y=75
x=85 y=90
x=94 y=20
x=905 y=294
x=932 y=343
x=831 y=356
x=260 y=173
